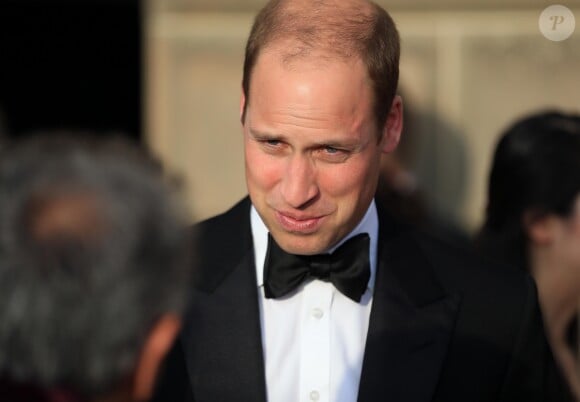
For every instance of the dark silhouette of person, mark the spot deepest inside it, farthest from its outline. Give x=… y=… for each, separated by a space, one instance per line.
x=533 y=219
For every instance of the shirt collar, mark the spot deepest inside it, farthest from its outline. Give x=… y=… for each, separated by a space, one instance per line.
x=368 y=224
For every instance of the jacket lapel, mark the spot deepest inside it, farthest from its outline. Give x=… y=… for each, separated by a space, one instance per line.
x=410 y=326
x=223 y=342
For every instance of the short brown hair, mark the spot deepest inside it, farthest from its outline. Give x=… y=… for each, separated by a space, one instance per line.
x=340 y=28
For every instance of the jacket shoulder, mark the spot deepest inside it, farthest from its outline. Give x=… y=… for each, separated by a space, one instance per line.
x=460 y=267
x=220 y=243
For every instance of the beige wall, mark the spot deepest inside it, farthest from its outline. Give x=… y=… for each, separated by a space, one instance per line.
x=466 y=73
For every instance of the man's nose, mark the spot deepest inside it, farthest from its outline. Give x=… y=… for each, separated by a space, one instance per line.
x=299 y=185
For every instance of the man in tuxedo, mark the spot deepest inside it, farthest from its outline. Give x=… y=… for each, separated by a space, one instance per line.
x=307 y=290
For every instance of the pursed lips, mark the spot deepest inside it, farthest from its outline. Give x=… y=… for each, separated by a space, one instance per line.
x=299 y=223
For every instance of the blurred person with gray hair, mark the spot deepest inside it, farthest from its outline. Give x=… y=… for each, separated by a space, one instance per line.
x=93 y=270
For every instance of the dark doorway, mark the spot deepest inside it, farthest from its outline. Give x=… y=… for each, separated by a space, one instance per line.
x=71 y=64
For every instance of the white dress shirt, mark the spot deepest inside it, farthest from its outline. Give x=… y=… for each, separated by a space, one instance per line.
x=314 y=338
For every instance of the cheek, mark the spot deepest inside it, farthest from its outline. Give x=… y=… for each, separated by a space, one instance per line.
x=571 y=230
x=338 y=182
x=262 y=171
x=349 y=179
x=568 y=249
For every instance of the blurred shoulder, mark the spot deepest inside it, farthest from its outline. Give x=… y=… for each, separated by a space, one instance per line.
x=460 y=269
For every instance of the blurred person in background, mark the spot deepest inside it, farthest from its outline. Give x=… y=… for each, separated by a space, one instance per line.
x=93 y=270
x=533 y=220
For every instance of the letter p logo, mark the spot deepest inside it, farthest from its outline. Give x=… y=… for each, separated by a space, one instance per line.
x=557 y=19
x=557 y=23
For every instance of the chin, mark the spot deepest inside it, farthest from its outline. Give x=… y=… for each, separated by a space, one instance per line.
x=302 y=244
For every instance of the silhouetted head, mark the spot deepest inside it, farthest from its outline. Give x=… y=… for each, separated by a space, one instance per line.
x=92 y=265
x=535 y=173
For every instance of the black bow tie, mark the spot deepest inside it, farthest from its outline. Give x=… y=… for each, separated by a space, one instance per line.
x=348 y=268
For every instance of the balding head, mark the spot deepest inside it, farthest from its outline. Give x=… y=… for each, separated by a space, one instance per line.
x=329 y=30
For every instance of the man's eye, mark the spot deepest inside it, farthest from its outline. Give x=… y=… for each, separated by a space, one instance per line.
x=330 y=150
x=332 y=154
x=274 y=147
x=271 y=143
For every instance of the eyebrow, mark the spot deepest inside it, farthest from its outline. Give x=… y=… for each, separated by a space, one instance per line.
x=333 y=143
x=262 y=135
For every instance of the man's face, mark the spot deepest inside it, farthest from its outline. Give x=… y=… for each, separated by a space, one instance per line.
x=312 y=149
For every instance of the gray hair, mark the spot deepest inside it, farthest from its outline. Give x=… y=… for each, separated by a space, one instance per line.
x=92 y=252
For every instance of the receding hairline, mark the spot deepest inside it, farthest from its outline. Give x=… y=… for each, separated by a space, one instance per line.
x=291 y=55
x=335 y=27
x=324 y=9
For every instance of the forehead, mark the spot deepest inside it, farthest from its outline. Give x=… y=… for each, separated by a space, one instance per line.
x=293 y=54
x=316 y=79
x=310 y=98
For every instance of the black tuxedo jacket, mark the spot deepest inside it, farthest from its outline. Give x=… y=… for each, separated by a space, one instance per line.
x=444 y=325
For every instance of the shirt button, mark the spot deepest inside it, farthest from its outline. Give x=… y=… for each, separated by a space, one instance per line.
x=314 y=396
x=317 y=313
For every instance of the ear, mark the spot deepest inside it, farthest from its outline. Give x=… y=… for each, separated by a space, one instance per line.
x=539 y=227
x=156 y=346
x=243 y=107
x=393 y=126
